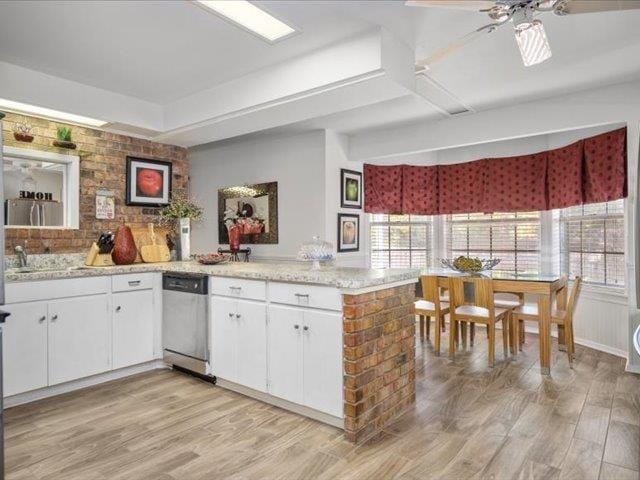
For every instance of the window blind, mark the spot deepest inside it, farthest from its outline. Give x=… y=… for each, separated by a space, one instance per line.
x=401 y=241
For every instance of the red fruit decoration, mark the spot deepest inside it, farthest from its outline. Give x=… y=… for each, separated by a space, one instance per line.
x=124 y=248
x=150 y=182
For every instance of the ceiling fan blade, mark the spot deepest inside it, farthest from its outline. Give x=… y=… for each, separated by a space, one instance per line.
x=456 y=45
x=456 y=4
x=571 y=7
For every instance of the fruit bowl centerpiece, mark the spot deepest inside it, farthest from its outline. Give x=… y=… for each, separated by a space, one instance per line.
x=470 y=265
x=211 y=258
x=316 y=251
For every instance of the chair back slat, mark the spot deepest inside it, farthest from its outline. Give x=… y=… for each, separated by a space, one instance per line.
x=430 y=290
x=456 y=292
x=483 y=288
x=573 y=296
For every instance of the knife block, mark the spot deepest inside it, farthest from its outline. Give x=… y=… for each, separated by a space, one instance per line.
x=95 y=259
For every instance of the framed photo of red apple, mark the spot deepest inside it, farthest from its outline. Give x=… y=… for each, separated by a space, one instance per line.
x=148 y=182
x=350 y=188
x=348 y=232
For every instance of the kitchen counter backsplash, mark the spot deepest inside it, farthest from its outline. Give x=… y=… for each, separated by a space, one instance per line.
x=58 y=261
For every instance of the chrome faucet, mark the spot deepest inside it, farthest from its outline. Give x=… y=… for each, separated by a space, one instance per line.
x=21 y=253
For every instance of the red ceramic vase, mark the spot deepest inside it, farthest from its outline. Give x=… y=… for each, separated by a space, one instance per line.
x=234 y=237
x=124 y=248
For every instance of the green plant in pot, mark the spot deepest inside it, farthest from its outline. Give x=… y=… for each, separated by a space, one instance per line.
x=63 y=138
x=178 y=215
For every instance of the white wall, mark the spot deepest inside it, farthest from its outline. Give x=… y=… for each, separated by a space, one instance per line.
x=295 y=162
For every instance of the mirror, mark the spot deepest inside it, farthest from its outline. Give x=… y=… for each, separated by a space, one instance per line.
x=254 y=208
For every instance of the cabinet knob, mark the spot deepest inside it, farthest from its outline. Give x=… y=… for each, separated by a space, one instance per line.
x=54 y=318
x=305 y=328
x=230 y=315
x=42 y=319
x=118 y=308
x=238 y=315
x=297 y=327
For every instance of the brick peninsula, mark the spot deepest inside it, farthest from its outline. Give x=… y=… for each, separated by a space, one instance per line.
x=334 y=344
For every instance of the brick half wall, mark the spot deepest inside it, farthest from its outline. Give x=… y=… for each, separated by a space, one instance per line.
x=379 y=358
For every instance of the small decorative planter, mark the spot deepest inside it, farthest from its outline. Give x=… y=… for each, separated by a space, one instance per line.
x=22 y=133
x=64 y=144
x=22 y=137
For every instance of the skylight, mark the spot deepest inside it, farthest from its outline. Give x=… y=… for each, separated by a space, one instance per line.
x=49 y=113
x=251 y=17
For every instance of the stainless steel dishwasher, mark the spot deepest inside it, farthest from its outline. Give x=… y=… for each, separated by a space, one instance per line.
x=185 y=325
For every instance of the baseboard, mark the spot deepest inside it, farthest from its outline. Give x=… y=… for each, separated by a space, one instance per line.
x=54 y=390
x=632 y=368
x=284 y=404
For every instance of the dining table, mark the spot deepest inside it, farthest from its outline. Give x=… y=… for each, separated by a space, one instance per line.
x=545 y=288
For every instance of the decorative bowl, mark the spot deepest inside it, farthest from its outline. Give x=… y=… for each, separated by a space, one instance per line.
x=211 y=258
x=470 y=265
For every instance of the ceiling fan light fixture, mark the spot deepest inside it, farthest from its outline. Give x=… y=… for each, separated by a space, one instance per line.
x=533 y=42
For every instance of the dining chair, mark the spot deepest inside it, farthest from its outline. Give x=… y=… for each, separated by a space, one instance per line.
x=511 y=301
x=431 y=306
x=562 y=318
x=483 y=310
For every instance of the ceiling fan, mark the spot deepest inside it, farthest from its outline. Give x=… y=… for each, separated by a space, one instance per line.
x=529 y=32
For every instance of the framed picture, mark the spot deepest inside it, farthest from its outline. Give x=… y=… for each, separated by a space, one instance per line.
x=348 y=232
x=350 y=188
x=254 y=208
x=148 y=182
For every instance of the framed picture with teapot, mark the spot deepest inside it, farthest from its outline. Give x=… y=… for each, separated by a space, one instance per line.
x=348 y=232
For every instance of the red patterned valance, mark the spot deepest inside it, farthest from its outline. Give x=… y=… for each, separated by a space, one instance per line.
x=461 y=187
x=588 y=171
x=383 y=189
x=420 y=190
x=515 y=184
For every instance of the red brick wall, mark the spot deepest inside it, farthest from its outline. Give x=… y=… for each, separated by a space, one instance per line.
x=102 y=166
x=379 y=358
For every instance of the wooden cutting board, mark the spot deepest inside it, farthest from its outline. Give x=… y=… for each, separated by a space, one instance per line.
x=141 y=237
x=154 y=252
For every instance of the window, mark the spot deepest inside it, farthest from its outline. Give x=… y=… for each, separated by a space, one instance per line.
x=401 y=241
x=514 y=238
x=592 y=243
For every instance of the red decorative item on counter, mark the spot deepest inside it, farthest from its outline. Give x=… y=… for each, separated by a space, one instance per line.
x=234 y=237
x=124 y=248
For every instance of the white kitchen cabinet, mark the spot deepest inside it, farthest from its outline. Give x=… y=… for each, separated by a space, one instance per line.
x=305 y=357
x=322 y=361
x=79 y=340
x=239 y=341
x=24 y=353
x=133 y=326
x=285 y=352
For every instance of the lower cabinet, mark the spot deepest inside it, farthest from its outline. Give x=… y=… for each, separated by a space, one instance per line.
x=305 y=357
x=24 y=352
x=132 y=328
x=79 y=338
x=239 y=341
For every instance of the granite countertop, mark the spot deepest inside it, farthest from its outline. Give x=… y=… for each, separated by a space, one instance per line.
x=347 y=278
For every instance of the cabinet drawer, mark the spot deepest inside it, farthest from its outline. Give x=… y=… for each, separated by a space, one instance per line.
x=313 y=296
x=239 y=287
x=132 y=281
x=50 y=289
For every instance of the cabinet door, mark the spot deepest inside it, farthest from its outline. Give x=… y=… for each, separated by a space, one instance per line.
x=132 y=328
x=24 y=349
x=322 y=365
x=285 y=352
x=223 y=338
x=79 y=338
x=251 y=323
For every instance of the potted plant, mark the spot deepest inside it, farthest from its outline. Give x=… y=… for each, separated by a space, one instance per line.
x=178 y=215
x=22 y=132
x=63 y=135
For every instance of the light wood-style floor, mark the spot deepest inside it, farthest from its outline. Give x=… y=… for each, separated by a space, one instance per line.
x=469 y=422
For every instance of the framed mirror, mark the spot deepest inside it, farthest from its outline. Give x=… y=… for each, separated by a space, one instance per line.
x=254 y=208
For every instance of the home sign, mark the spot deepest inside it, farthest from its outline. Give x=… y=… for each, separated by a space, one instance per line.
x=36 y=195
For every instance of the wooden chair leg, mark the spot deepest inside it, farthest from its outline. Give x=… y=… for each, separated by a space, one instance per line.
x=453 y=334
x=443 y=326
x=463 y=334
x=427 y=321
x=456 y=332
x=515 y=334
x=562 y=338
x=421 y=320
x=472 y=333
x=505 y=336
x=521 y=332
x=568 y=331
x=436 y=331
x=491 y=328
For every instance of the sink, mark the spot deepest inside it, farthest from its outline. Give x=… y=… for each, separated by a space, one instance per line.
x=22 y=270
